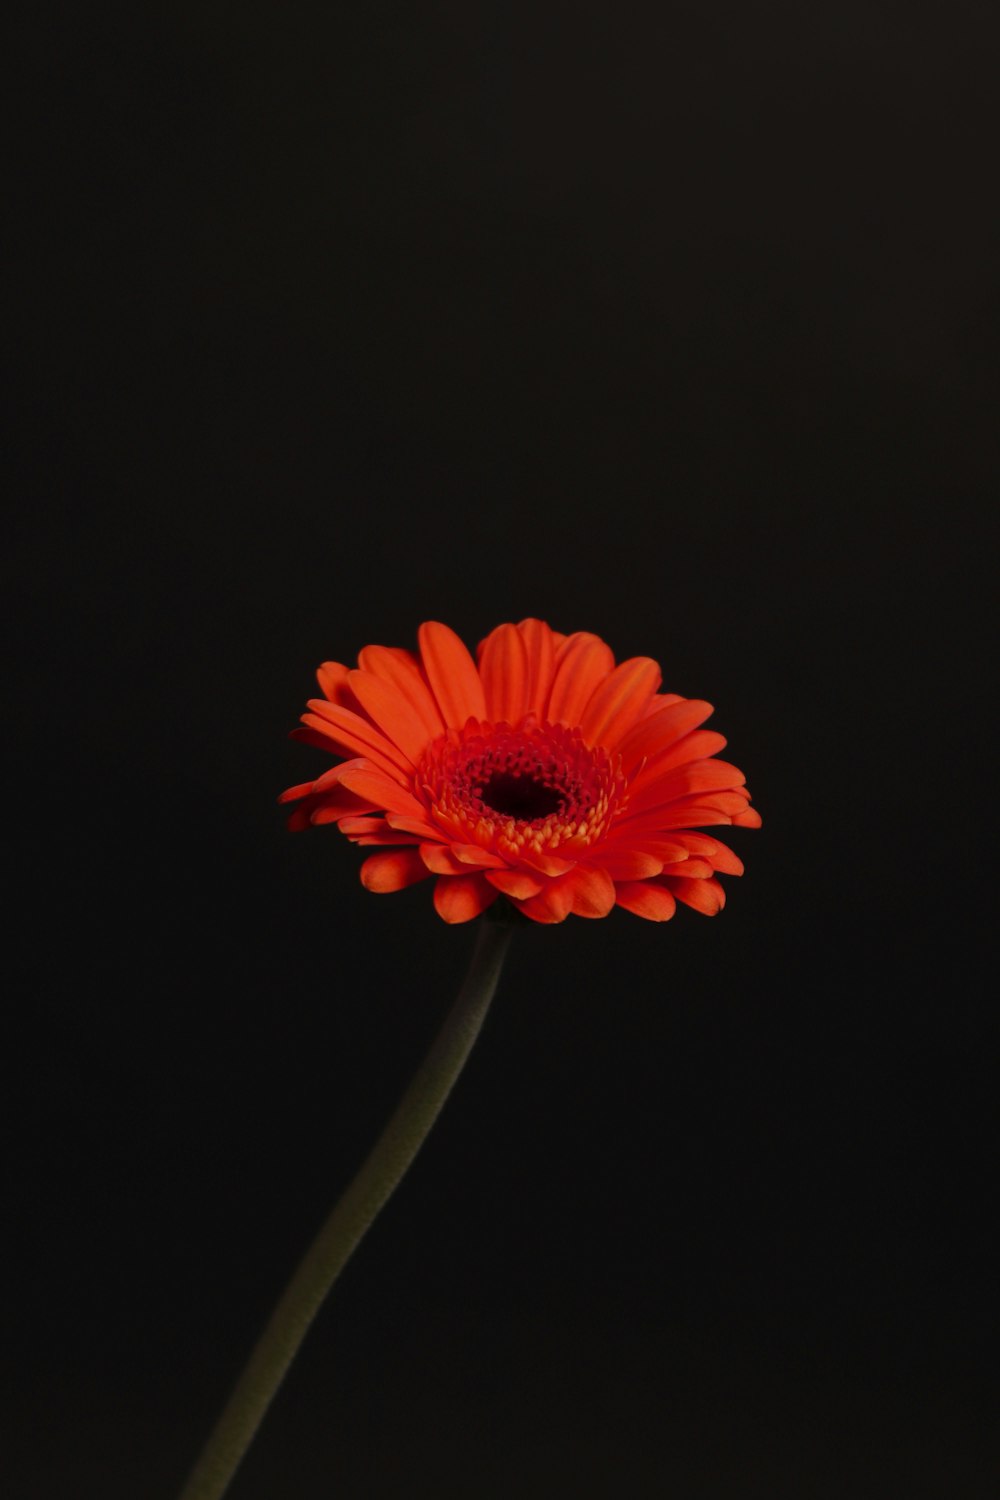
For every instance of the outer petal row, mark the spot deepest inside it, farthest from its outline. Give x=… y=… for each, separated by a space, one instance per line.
x=394 y=704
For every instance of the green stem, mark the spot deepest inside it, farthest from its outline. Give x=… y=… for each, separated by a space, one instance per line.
x=387 y=1162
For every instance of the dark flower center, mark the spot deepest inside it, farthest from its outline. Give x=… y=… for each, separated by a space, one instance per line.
x=520 y=790
x=519 y=796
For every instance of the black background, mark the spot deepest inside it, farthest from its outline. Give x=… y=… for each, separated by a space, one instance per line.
x=674 y=323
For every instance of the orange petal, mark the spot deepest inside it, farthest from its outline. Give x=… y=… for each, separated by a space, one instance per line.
x=706 y=896
x=503 y=667
x=585 y=891
x=393 y=872
x=293 y=793
x=697 y=778
x=664 y=823
x=401 y=670
x=749 y=819
x=368 y=831
x=692 y=813
x=718 y=855
x=455 y=859
x=545 y=864
x=628 y=864
x=540 y=644
x=299 y=820
x=413 y=824
x=452 y=674
x=383 y=792
x=484 y=859
x=459 y=898
x=658 y=731
x=667 y=851
x=331 y=778
x=691 y=869
x=582 y=664
x=663 y=700
x=334 y=742
x=517 y=883
x=332 y=679
x=379 y=840
x=346 y=729
x=357 y=825
x=620 y=701
x=593 y=891
x=644 y=899
x=392 y=713
x=323 y=806
x=553 y=903
x=439 y=859
x=331 y=809
x=701 y=744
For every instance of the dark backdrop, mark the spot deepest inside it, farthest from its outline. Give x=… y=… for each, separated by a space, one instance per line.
x=674 y=323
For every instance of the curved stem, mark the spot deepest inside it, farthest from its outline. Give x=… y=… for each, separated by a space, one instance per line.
x=382 y=1170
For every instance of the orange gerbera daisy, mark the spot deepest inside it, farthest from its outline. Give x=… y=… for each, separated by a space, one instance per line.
x=546 y=774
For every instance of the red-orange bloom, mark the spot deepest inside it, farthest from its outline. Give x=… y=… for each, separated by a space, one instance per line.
x=545 y=773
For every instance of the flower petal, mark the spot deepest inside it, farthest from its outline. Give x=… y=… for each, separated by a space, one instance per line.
x=323 y=801
x=331 y=807
x=701 y=744
x=663 y=700
x=552 y=904
x=620 y=701
x=459 y=898
x=332 y=679
x=483 y=859
x=333 y=776
x=452 y=674
x=646 y=840
x=503 y=667
x=401 y=670
x=368 y=831
x=698 y=777
x=540 y=643
x=691 y=869
x=393 y=872
x=695 y=812
x=545 y=864
x=293 y=793
x=391 y=712
x=644 y=899
x=585 y=891
x=593 y=891
x=456 y=859
x=384 y=792
x=353 y=735
x=629 y=864
x=706 y=896
x=720 y=856
x=582 y=664
x=439 y=859
x=519 y=883
x=411 y=823
x=659 y=730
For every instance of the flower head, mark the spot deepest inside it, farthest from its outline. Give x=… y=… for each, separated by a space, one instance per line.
x=541 y=772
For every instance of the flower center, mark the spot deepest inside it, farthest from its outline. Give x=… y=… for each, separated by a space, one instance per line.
x=520 y=797
x=534 y=787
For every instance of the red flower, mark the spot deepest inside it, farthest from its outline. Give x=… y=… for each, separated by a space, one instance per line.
x=546 y=774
